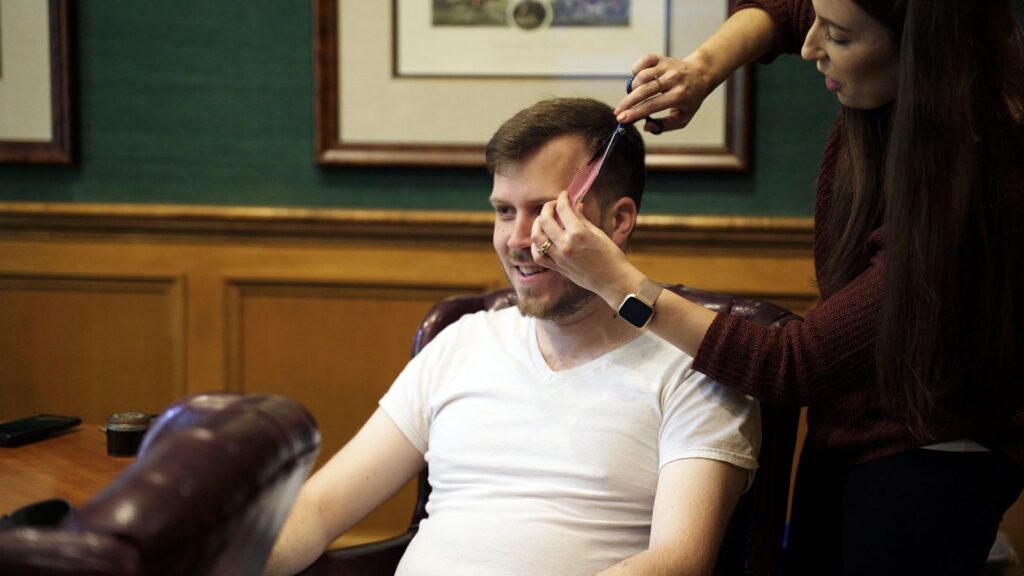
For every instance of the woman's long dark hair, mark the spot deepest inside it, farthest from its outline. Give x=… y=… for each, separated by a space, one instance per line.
x=936 y=167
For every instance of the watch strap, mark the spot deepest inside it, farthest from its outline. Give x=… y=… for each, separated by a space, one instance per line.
x=649 y=292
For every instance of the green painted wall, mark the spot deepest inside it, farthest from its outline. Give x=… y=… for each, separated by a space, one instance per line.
x=198 y=102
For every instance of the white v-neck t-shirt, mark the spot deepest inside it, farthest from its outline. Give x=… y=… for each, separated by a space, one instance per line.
x=538 y=472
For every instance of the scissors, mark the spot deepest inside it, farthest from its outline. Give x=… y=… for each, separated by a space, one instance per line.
x=658 y=126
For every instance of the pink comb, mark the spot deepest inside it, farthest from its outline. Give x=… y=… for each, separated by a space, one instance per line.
x=585 y=176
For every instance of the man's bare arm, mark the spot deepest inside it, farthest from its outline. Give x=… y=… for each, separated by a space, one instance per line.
x=694 y=502
x=367 y=471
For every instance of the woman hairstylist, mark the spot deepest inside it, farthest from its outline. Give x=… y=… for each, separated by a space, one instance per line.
x=914 y=448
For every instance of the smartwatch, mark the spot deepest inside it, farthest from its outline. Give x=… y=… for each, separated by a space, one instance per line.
x=638 y=309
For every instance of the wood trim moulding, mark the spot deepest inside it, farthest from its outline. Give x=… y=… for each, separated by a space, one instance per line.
x=415 y=225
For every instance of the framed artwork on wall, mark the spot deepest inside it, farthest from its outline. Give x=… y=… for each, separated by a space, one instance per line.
x=426 y=83
x=35 y=105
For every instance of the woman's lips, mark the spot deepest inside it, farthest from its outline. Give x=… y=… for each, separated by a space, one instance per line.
x=832 y=85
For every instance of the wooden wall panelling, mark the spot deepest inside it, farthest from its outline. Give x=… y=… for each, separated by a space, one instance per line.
x=152 y=302
x=90 y=345
x=295 y=300
x=783 y=276
x=336 y=348
x=248 y=278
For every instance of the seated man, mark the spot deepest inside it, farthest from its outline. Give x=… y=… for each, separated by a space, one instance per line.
x=561 y=439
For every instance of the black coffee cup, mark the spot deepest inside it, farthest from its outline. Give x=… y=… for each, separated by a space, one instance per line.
x=125 y=431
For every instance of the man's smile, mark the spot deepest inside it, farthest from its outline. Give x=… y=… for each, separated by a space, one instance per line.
x=528 y=270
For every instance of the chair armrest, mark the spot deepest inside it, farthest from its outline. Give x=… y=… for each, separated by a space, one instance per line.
x=371 y=559
x=55 y=552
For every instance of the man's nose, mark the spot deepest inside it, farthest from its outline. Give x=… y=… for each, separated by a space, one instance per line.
x=520 y=237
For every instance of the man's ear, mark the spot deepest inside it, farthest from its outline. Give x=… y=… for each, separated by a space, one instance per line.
x=619 y=220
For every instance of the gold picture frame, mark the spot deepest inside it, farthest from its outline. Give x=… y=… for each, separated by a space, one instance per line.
x=368 y=114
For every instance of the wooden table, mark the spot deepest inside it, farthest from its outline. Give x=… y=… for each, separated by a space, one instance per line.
x=73 y=466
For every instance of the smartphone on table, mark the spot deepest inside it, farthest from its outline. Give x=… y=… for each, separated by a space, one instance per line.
x=25 y=430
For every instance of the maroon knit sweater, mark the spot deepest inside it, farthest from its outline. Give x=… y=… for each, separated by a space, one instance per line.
x=826 y=362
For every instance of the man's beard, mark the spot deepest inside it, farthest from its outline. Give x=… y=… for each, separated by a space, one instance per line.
x=571 y=301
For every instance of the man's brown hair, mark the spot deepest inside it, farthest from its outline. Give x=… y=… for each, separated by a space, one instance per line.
x=623 y=172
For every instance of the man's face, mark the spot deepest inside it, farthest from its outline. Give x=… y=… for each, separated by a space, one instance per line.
x=517 y=197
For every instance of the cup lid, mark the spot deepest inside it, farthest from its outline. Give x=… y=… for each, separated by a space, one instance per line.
x=128 y=421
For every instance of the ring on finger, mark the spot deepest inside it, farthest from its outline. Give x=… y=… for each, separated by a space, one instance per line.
x=660 y=87
x=543 y=248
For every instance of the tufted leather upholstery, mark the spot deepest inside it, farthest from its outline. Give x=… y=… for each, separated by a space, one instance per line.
x=753 y=541
x=207 y=494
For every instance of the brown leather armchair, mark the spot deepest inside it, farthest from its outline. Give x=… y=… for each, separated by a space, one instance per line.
x=207 y=494
x=753 y=541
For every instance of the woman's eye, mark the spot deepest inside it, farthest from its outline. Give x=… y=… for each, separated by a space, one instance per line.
x=833 y=39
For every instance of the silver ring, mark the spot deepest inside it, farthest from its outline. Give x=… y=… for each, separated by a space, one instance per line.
x=543 y=248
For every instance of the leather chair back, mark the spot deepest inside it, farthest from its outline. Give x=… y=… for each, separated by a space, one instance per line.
x=207 y=494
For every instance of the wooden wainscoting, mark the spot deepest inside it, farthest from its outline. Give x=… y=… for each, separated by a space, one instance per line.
x=106 y=308
x=70 y=342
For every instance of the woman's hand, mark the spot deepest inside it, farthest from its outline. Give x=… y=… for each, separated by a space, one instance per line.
x=661 y=83
x=582 y=252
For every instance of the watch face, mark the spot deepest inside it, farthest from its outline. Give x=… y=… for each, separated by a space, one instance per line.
x=635 y=312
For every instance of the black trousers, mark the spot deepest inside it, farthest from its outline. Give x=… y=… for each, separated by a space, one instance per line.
x=917 y=512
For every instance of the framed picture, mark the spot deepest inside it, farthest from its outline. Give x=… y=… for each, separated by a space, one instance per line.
x=35 y=105
x=426 y=83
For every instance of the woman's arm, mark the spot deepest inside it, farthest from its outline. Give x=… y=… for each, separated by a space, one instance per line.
x=827 y=354
x=681 y=85
x=586 y=256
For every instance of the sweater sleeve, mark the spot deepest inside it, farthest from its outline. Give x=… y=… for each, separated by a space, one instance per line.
x=818 y=359
x=792 y=18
